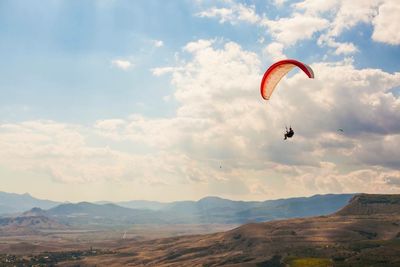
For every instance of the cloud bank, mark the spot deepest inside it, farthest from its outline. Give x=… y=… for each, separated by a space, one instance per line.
x=224 y=133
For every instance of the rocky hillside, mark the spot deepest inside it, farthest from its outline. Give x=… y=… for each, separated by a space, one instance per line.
x=368 y=204
x=341 y=239
x=28 y=222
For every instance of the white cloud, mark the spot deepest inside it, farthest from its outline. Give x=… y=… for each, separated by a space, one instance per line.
x=233 y=14
x=198 y=45
x=163 y=70
x=382 y=14
x=121 y=64
x=217 y=92
x=298 y=27
x=247 y=14
x=344 y=15
x=350 y=13
x=274 y=51
x=158 y=43
x=279 y=3
x=317 y=7
x=340 y=48
x=344 y=48
x=61 y=152
x=224 y=14
x=387 y=23
x=324 y=20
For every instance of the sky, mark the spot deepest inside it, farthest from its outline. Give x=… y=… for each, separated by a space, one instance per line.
x=159 y=100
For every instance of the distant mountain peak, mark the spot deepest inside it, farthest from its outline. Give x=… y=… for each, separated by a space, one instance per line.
x=211 y=198
x=34 y=212
x=14 y=203
x=36 y=209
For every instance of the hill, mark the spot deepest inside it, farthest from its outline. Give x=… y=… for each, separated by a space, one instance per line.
x=28 y=223
x=367 y=204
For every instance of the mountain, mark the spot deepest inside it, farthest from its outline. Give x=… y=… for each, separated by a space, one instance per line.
x=364 y=236
x=34 y=212
x=12 y=203
x=28 y=222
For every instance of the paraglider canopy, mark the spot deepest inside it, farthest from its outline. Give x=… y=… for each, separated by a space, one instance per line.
x=275 y=73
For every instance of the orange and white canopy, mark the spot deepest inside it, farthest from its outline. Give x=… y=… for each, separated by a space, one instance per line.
x=275 y=73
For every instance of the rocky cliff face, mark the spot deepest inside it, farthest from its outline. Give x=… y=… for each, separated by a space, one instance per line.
x=369 y=204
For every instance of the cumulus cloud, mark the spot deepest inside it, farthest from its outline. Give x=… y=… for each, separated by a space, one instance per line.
x=386 y=23
x=382 y=14
x=62 y=152
x=55 y=149
x=298 y=27
x=274 y=51
x=222 y=121
x=350 y=13
x=216 y=92
x=323 y=20
x=121 y=64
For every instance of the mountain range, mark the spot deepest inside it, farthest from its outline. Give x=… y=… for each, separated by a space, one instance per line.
x=204 y=211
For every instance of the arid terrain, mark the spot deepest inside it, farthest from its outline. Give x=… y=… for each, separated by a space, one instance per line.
x=364 y=233
x=335 y=239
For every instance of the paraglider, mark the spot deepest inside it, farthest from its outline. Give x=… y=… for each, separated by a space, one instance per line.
x=288 y=134
x=275 y=73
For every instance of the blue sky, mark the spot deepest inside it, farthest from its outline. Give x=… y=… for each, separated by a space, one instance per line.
x=149 y=98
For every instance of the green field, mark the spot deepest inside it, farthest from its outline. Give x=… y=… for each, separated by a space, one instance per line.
x=310 y=262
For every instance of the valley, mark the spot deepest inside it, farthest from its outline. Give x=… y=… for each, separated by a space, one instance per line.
x=364 y=232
